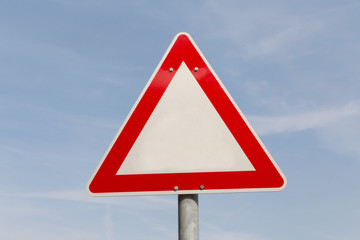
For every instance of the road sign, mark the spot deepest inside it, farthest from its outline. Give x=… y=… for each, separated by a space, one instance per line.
x=185 y=135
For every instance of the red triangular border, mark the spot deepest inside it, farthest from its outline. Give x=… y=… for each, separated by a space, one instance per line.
x=266 y=177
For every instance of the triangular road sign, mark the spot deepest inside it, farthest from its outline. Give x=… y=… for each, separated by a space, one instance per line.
x=185 y=134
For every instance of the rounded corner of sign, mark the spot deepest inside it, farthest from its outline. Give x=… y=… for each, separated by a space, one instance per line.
x=280 y=188
x=89 y=192
x=181 y=34
x=284 y=184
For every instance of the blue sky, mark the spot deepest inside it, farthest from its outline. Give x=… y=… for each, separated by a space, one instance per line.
x=71 y=71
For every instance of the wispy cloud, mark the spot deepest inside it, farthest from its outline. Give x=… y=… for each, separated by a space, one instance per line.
x=47 y=215
x=81 y=3
x=229 y=235
x=54 y=232
x=278 y=28
x=108 y=223
x=316 y=119
x=139 y=202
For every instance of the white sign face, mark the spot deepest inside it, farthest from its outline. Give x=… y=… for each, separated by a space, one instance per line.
x=185 y=134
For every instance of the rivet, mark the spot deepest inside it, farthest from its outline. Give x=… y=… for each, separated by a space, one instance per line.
x=196 y=69
x=202 y=187
x=171 y=69
x=176 y=188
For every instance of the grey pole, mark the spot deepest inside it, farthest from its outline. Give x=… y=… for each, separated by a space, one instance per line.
x=188 y=217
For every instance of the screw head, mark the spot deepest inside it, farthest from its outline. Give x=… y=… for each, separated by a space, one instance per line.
x=196 y=69
x=176 y=188
x=171 y=69
x=202 y=187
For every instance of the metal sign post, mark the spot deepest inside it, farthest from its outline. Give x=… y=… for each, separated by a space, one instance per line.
x=188 y=216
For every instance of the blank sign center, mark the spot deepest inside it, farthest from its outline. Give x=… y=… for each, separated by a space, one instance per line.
x=184 y=134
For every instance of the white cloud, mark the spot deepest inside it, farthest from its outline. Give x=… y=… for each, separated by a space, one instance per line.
x=143 y=202
x=45 y=232
x=212 y=231
x=227 y=235
x=81 y=3
x=25 y=219
x=343 y=138
x=266 y=31
x=108 y=223
x=73 y=214
x=304 y=121
x=337 y=129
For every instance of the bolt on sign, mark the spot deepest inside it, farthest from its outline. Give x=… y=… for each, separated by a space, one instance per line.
x=185 y=135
